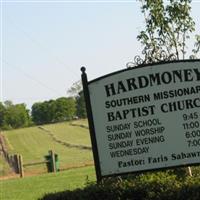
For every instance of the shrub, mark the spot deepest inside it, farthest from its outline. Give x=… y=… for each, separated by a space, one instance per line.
x=151 y=186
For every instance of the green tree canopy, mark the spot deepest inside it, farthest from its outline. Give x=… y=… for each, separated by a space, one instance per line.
x=76 y=91
x=65 y=108
x=80 y=105
x=2 y=114
x=15 y=116
x=168 y=27
x=52 y=111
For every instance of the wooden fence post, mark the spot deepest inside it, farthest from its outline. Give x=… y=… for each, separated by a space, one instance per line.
x=21 y=169
x=15 y=165
x=190 y=171
x=53 y=163
x=18 y=163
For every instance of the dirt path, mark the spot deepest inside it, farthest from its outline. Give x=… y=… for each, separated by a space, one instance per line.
x=10 y=176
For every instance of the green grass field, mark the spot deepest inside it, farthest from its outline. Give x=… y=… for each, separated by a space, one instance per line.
x=4 y=167
x=34 y=143
x=32 y=188
x=71 y=134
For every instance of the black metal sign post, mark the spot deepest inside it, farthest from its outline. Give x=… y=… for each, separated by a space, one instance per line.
x=91 y=124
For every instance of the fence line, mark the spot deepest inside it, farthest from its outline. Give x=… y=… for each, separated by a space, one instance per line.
x=51 y=161
x=11 y=159
x=15 y=161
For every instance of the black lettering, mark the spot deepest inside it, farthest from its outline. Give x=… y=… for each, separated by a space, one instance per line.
x=197 y=73
x=166 y=77
x=143 y=81
x=110 y=89
x=131 y=84
x=188 y=75
x=177 y=74
x=154 y=79
x=110 y=116
x=121 y=87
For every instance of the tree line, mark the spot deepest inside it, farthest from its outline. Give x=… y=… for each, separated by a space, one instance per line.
x=14 y=116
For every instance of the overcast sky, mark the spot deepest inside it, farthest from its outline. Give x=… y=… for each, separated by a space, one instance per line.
x=44 y=44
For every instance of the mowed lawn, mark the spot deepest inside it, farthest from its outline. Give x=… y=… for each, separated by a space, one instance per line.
x=32 y=188
x=4 y=167
x=34 y=143
x=72 y=132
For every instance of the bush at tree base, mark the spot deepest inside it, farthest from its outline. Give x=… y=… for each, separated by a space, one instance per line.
x=152 y=186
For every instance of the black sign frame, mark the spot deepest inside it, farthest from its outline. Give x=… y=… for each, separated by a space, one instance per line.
x=85 y=84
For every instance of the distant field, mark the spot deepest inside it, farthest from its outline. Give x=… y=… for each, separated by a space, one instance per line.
x=34 y=143
x=32 y=188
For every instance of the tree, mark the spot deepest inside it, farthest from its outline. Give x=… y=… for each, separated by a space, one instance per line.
x=15 y=116
x=196 y=49
x=80 y=105
x=36 y=113
x=52 y=111
x=2 y=114
x=44 y=112
x=8 y=103
x=167 y=30
x=76 y=91
x=65 y=108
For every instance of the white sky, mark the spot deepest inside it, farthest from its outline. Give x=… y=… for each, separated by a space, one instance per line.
x=44 y=44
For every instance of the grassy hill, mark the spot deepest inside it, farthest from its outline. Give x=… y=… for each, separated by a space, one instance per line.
x=67 y=139
x=32 y=188
x=4 y=167
x=35 y=142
